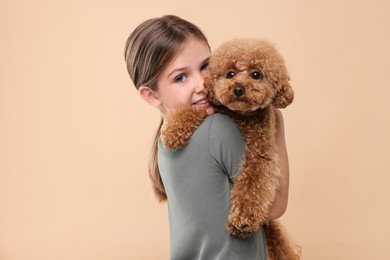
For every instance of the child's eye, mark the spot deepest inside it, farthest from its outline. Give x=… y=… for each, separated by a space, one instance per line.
x=204 y=67
x=180 y=78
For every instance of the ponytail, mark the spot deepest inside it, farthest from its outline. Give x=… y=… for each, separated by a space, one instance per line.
x=154 y=172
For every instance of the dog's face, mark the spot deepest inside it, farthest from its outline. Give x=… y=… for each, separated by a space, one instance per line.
x=248 y=74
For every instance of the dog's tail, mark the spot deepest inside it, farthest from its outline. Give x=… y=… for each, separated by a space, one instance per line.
x=278 y=244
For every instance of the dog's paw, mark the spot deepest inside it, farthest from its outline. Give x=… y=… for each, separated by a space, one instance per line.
x=244 y=218
x=170 y=139
x=238 y=230
x=179 y=125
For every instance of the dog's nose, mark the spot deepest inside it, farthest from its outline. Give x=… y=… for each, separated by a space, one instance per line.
x=238 y=91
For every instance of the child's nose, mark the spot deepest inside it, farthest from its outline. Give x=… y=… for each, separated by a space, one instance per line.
x=199 y=87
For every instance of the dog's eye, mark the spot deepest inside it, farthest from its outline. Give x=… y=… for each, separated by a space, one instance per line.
x=230 y=74
x=256 y=75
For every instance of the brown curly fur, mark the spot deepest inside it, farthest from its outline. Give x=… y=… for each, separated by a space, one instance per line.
x=246 y=80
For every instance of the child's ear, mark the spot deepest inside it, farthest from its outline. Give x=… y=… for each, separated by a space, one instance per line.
x=149 y=96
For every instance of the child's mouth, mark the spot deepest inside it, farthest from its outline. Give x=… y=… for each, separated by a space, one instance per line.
x=201 y=103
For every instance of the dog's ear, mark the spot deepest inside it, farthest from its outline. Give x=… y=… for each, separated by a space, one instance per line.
x=277 y=74
x=284 y=95
x=209 y=82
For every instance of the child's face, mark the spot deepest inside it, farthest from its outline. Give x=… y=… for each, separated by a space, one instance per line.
x=181 y=82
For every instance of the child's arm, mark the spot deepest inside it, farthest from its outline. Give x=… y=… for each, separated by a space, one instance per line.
x=279 y=206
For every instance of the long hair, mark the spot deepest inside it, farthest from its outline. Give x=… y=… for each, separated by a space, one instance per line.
x=148 y=50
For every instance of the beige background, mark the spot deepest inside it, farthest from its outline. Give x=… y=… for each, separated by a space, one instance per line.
x=75 y=136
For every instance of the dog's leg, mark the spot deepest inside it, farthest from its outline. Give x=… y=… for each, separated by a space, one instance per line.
x=251 y=196
x=179 y=125
x=255 y=187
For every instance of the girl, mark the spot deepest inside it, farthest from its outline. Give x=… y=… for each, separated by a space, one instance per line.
x=166 y=58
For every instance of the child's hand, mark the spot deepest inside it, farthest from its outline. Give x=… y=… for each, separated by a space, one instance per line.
x=210 y=110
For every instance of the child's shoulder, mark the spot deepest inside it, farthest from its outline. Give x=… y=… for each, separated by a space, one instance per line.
x=224 y=137
x=220 y=124
x=220 y=119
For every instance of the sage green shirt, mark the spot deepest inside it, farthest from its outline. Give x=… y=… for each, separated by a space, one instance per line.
x=197 y=180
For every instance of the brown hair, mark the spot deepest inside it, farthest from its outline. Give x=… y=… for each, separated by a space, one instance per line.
x=148 y=50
